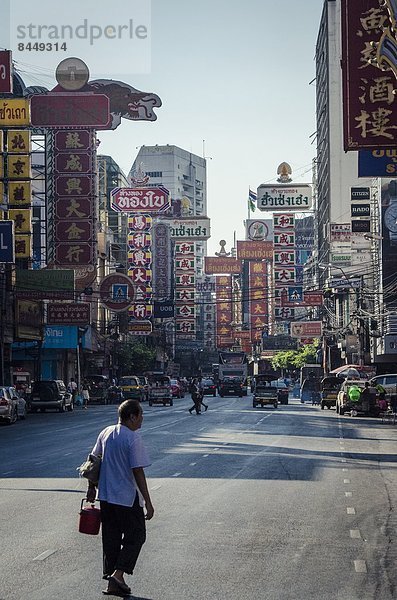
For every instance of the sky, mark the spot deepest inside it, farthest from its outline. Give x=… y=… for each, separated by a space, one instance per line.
x=235 y=74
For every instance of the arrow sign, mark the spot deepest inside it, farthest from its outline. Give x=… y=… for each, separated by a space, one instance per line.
x=7 y=242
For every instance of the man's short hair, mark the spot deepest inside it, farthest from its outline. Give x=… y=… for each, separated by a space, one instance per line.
x=129 y=408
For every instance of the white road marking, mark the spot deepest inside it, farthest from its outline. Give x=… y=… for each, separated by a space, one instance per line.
x=346 y=481
x=350 y=510
x=345 y=470
x=343 y=460
x=205 y=455
x=176 y=474
x=8 y=473
x=355 y=534
x=44 y=555
x=155 y=487
x=360 y=566
x=192 y=464
x=348 y=494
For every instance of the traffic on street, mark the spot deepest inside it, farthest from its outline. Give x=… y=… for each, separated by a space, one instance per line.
x=293 y=502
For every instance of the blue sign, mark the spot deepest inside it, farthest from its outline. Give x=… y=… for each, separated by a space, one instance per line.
x=60 y=336
x=295 y=293
x=120 y=291
x=7 y=242
x=377 y=163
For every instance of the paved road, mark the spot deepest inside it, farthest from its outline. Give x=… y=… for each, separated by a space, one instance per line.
x=251 y=504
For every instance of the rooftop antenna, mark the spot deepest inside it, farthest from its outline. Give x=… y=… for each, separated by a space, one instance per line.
x=204 y=156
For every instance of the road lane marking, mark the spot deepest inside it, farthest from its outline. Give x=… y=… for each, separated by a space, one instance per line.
x=348 y=494
x=360 y=566
x=155 y=487
x=44 y=555
x=346 y=481
x=345 y=470
x=350 y=510
x=343 y=460
x=205 y=455
x=176 y=474
x=192 y=464
x=355 y=534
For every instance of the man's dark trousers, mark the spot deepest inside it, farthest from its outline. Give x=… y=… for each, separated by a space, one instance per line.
x=123 y=535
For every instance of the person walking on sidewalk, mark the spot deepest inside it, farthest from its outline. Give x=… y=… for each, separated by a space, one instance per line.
x=195 y=392
x=123 y=495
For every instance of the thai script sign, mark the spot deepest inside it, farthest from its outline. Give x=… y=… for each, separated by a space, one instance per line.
x=193 y=228
x=73 y=313
x=72 y=109
x=297 y=197
x=140 y=199
x=219 y=264
x=368 y=62
x=45 y=283
x=254 y=250
x=14 y=112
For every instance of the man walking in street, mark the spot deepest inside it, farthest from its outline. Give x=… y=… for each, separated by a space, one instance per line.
x=123 y=494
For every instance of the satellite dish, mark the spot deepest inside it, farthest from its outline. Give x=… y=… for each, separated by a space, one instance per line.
x=72 y=74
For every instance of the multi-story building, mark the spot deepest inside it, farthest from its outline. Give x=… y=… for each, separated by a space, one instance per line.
x=338 y=258
x=184 y=174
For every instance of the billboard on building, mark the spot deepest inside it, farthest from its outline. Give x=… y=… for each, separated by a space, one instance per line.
x=368 y=61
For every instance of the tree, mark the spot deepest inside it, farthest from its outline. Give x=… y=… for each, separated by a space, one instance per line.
x=295 y=359
x=135 y=357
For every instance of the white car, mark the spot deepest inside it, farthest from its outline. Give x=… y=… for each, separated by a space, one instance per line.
x=21 y=403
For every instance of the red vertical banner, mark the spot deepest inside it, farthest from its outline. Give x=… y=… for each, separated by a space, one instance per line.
x=224 y=315
x=139 y=257
x=259 y=299
x=369 y=68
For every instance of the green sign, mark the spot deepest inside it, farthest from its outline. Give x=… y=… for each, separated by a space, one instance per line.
x=45 y=283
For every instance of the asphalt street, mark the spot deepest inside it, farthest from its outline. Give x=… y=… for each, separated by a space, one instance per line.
x=250 y=504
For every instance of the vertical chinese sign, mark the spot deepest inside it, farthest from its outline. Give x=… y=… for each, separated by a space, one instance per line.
x=224 y=311
x=259 y=300
x=284 y=266
x=15 y=170
x=139 y=241
x=369 y=65
x=185 y=287
x=75 y=203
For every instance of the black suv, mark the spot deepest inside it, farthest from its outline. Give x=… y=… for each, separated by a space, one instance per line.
x=231 y=386
x=50 y=394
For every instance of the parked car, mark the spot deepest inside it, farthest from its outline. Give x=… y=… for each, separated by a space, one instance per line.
x=345 y=401
x=231 y=386
x=21 y=402
x=8 y=406
x=50 y=394
x=131 y=387
x=145 y=384
x=177 y=389
x=208 y=387
x=388 y=381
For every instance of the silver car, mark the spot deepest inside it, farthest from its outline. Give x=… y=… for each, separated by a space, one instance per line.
x=8 y=406
x=21 y=402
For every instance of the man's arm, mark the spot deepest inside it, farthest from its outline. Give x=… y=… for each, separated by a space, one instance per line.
x=140 y=479
x=91 y=492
